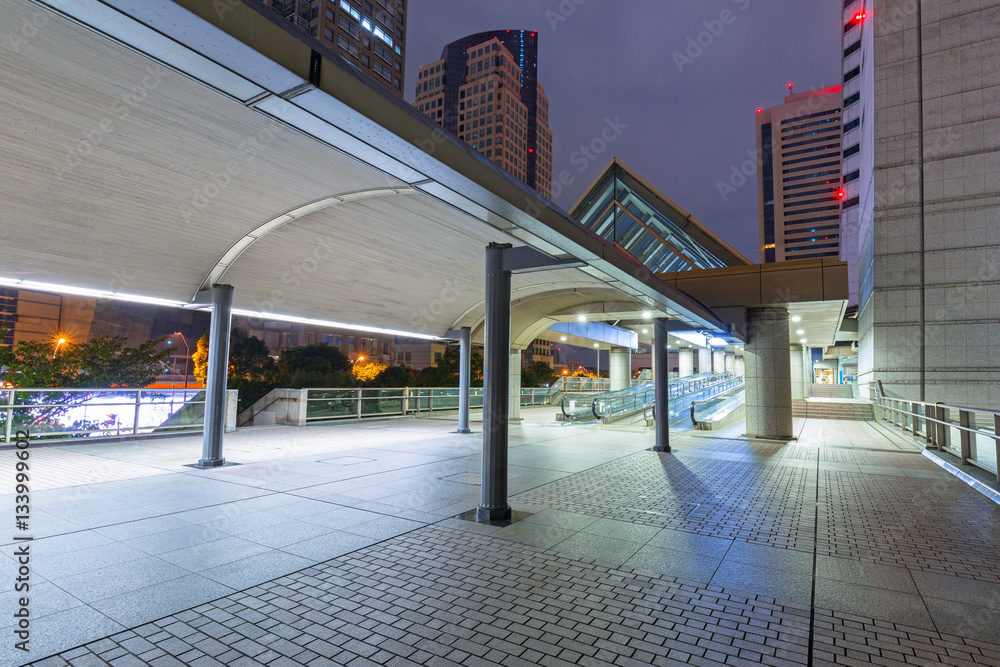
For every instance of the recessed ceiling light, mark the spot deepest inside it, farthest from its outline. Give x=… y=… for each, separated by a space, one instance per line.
x=562 y=338
x=645 y=331
x=646 y=314
x=596 y=345
x=581 y=318
x=803 y=341
x=800 y=331
x=796 y=318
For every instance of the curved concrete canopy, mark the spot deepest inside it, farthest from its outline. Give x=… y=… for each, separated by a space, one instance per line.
x=195 y=149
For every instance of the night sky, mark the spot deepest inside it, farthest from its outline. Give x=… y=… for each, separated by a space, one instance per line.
x=689 y=123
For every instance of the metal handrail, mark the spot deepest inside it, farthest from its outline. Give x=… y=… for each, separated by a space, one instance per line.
x=938 y=437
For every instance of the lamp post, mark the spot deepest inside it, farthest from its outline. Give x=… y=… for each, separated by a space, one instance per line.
x=187 y=354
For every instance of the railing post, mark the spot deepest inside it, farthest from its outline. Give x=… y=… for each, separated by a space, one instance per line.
x=966 y=437
x=359 y=390
x=406 y=401
x=10 y=414
x=943 y=430
x=135 y=419
x=996 y=440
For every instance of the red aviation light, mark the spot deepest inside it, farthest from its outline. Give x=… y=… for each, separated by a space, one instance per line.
x=759 y=110
x=861 y=16
x=841 y=193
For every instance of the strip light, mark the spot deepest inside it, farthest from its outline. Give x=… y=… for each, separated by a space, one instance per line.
x=331 y=324
x=154 y=301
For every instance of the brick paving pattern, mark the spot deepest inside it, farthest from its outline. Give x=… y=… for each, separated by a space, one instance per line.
x=439 y=596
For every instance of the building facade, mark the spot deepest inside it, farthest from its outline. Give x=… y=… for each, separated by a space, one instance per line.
x=485 y=89
x=858 y=182
x=370 y=34
x=799 y=180
x=929 y=287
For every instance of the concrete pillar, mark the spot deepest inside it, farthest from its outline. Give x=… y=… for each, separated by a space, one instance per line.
x=514 y=411
x=493 y=504
x=464 y=378
x=218 y=371
x=729 y=362
x=685 y=362
x=769 y=377
x=704 y=360
x=661 y=391
x=797 y=363
x=718 y=361
x=740 y=368
x=620 y=368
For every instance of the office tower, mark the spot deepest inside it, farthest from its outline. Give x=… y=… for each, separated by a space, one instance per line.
x=484 y=89
x=799 y=176
x=858 y=181
x=930 y=274
x=368 y=33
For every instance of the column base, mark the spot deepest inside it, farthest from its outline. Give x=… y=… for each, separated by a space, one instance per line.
x=211 y=463
x=487 y=515
x=463 y=430
x=662 y=449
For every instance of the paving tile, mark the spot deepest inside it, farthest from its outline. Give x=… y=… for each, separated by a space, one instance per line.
x=108 y=582
x=622 y=530
x=148 y=604
x=865 y=574
x=965 y=620
x=902 y=608
x=330 y=545
x=535 y=534
x=254 y=570
x=599 y=548
x=789 y=560
x=561 y=519
x=681 y=564
x=765 y=581
x=690 y=543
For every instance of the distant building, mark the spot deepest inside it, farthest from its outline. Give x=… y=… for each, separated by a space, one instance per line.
x=485 y=90
x=541 y=349
x=799 y=179
x=370 y=34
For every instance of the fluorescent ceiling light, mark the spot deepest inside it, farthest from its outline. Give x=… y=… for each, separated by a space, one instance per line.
x=331 y=324
x=86 y=291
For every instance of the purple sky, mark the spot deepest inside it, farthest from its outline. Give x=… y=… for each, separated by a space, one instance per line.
x=688 y=124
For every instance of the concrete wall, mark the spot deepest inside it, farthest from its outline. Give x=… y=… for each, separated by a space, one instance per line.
x=929 y=329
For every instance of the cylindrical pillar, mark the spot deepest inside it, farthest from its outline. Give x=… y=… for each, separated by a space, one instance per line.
x=215 y=382
x=514 y=407
x=620 y=368
x=685 y=362
x=797 y=365
x=718 y=361
x=704 y=360
x=496 y=377
x=661 y=390
x=464 y=377
x=769 y=375
x=740 y=368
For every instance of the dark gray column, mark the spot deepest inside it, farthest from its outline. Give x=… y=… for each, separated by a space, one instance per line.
x=768 y=374
x=218 y=370
x=496 y=384
x=661 y=409
x=464 y=378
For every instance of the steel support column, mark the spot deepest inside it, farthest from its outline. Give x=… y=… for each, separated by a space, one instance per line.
x=464 y=378
x=218 y=370
x=661 y=390
x=496 y=385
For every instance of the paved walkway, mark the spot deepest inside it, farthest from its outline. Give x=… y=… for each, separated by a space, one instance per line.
x=338 y=545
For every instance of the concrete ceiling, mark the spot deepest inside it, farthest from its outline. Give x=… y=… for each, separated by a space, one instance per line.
x=184 y=157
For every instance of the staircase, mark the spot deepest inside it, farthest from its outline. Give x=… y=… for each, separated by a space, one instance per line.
x=832 y=391
x=832 y=408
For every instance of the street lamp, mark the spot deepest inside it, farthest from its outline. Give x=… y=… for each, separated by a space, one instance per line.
x=59 y=341
x=187 y=354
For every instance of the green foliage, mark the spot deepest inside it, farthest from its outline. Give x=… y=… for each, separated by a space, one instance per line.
x=394 y=376
x=103 y=362
x=537 y=374
x=316 y=365
x=446 y=374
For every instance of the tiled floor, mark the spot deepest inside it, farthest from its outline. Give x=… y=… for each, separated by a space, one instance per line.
x=847 y=546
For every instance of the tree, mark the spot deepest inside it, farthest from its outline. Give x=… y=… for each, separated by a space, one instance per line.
x=395 y=376
x=367 y=371
x=104 y=362
x=536 y=374
x=315 y=365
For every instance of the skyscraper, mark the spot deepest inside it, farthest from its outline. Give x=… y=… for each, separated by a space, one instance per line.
x=485 y=89
x=368 y=33
x=799 y=180
x=859 y=135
